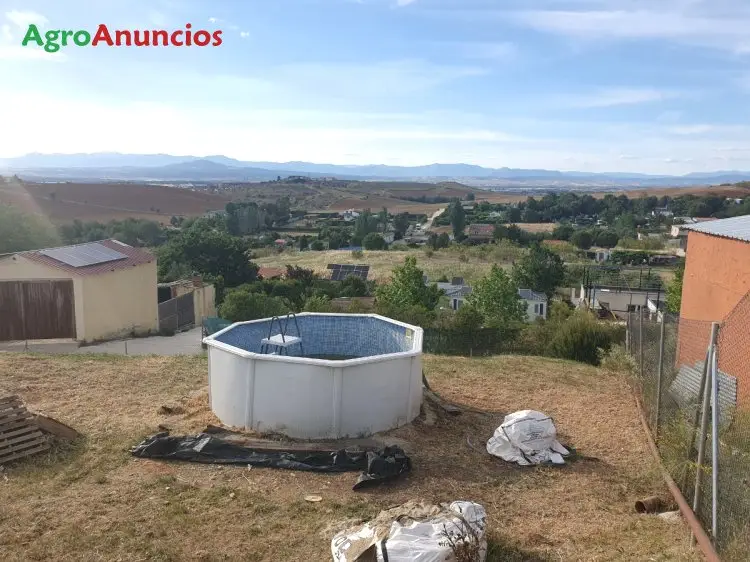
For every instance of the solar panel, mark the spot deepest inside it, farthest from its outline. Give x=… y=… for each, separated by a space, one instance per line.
x=341 y=272
x=84 y=254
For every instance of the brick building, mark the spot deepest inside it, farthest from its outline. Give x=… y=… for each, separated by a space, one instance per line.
x=716 y=288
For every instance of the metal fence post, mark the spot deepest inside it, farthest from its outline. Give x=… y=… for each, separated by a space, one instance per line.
x=714 y=444
x=659 y=373
x=640 y=339
x=706 y=393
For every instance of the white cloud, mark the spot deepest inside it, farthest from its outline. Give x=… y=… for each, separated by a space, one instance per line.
x=12 y=33
x=402 y=3
x=22 y=20
x=727 y=31
x=213 y=20
x=19 y=53
x=395 y=78
x=244 y=34
x=619 y=96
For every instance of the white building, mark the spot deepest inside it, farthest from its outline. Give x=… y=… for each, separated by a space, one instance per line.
x=536 y=304
x=349 y=215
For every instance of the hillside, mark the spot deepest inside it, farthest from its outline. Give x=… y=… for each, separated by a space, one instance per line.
x=63 y=202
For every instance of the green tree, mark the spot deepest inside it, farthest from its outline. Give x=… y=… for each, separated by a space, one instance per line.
x=240 y=305
x=400 y=224
x=540 y=270
x=383 y=219
x=20 y=231
x=583 y=239
x=470 y=197
x=212 y=253
x=304 y=242
x=607 y=239
x=458 y=218
x=353 y=286
x=365 y=223
x=317 y=246
x=374 y=241
x=563 y=232
x=408 y=289
x=674 y=291
x=495 y=296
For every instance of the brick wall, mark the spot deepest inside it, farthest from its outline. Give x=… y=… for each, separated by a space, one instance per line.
x=734 y=349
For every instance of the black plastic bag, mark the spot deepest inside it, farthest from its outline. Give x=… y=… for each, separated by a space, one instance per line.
x=376 y=466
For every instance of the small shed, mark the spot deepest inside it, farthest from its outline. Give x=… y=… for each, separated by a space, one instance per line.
x=86 y=292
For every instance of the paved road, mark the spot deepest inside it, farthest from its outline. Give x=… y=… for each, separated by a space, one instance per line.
x=184 y=343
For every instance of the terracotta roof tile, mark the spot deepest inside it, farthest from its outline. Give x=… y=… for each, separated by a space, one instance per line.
x=135 y=256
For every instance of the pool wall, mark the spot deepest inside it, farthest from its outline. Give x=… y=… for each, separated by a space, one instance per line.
x=316 y=398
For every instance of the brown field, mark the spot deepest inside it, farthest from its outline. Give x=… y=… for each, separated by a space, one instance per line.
x=537 y=226
x=443 y=262
x=61 y=203
x=92 y=501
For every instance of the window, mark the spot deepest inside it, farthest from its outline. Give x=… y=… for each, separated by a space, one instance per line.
x=541 y=309
x=536 y=309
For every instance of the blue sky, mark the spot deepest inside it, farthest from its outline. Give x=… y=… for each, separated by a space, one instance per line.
x=594 y=85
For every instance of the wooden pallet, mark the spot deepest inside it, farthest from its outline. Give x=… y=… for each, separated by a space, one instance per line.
x=20 y=435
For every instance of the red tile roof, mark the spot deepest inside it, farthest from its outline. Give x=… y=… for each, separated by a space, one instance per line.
x=481 y=230
x=135 y=256
x=271 y=272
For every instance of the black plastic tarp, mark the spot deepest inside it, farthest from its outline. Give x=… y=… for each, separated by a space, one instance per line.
x=376 y=466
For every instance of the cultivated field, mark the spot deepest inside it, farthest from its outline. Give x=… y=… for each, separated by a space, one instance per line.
x=61 y=203
x=448 y=262
x=93 y=501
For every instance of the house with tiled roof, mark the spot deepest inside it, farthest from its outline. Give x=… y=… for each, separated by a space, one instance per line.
x=480 y=232
x=85 y=292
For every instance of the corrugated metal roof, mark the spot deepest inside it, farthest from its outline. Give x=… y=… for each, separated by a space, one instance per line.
x=737 y=228
x=529 y=295
x=134 y=256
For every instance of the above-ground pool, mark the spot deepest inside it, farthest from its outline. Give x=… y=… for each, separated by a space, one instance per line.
x=349 y=375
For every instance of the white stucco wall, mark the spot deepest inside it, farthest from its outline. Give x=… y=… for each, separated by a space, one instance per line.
x=531 y=316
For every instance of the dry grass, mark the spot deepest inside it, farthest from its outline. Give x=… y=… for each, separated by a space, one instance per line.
x=92 y=501
x=537 y=227
x=443 y=262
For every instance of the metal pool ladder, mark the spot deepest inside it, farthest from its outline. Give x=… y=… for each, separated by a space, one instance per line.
x=282 y=340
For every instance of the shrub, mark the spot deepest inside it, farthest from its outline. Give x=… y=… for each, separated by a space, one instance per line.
x=357 y=254
x=317 y=246
x=429 y=252
x=617 y=359
x=239 y=306
x=374 y=241
x=581 y=337
x=318 y=304
x=462 y=257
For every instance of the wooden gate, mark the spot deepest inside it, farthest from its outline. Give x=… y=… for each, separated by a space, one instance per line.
x=37 y=310
x=177 y=313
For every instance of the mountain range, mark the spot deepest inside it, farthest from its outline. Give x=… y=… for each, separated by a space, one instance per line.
x=166 y=167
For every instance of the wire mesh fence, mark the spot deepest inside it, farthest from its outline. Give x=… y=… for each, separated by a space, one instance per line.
x=706 y=449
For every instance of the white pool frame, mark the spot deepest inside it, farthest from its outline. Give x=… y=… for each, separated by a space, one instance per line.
x=315 y=398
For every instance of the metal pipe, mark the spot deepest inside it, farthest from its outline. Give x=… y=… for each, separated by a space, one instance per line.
x=659 y=373
x=640 y=338
x=705 y=382
x=714 y=445
x=704 y=543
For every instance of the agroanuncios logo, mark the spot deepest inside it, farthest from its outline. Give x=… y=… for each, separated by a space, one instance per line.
x=54 y=39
